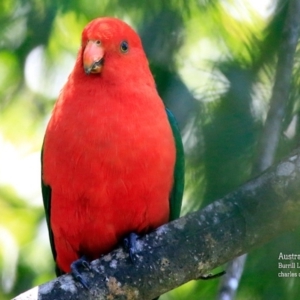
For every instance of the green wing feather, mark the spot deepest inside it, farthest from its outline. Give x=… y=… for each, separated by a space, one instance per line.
x=178 y=185
x=46 y=192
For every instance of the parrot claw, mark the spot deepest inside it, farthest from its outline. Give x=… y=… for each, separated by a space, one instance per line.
x=130 y=245
x=75 y=265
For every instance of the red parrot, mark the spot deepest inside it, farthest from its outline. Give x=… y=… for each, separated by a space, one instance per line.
x=112 y=157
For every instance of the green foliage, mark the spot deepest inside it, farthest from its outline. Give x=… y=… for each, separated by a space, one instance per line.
x=214 y=64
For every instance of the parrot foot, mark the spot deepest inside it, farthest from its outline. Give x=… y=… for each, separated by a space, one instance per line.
x=130 y=245
x=78 y=264
x=211 y=276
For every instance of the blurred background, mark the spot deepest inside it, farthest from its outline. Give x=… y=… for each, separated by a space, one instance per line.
x=214 y=64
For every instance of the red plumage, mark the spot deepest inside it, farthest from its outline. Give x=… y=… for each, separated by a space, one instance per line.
x=109 y=152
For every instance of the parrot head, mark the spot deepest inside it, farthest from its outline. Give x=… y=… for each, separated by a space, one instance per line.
x=110 y=44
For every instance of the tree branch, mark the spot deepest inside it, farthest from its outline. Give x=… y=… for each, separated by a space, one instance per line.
x=191 y=246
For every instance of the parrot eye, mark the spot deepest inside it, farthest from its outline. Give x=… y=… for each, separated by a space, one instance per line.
x=98 y=42
x=124 y=47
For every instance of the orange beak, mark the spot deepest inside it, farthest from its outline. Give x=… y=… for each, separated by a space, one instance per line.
x=93 y=57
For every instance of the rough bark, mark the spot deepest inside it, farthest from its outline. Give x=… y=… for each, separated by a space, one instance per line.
x=191 y=246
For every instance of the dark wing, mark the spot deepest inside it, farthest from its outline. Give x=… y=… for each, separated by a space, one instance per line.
x=46 y=192
x=178 y=185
